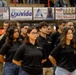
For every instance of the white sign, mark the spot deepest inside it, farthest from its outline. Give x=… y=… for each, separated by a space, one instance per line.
x=20 y=13
x=43 y=13
x=4 y=13
x=65 y=13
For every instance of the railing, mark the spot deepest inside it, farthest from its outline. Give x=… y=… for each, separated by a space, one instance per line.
x=48 y=3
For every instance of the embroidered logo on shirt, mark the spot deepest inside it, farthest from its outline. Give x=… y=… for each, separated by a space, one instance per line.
x=38 y=47
x=74 y=51
x=49 y=42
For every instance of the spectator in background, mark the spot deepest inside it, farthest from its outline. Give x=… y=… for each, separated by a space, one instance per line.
x=45 y=2
x=51 y=3
x=3 y=3
x=61 y=3
x=20 y=1
x=73 y=3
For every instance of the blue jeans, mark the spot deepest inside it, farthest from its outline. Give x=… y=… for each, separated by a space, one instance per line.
x=3 y=3
x=10 y=69
x=21 y=72
x=61 y=71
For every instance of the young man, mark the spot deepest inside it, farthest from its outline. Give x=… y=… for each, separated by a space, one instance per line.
x=57 y=34
x=46 y=42
x=24 y=28
x=3 y=36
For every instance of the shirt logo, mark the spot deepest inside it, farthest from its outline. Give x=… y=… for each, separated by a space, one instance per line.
x=74 y=51
x=49 y=42
x=39 y=14
x=38 y=47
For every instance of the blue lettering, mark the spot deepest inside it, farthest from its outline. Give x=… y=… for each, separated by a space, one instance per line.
x=20 y=13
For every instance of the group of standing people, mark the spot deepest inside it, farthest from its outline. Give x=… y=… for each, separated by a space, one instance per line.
x=64 y=3
x=32 y=50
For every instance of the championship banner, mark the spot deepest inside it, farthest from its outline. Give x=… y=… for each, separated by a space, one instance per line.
x=4 y=13
x=65 y=13
x=43 y=13
x=20 y=13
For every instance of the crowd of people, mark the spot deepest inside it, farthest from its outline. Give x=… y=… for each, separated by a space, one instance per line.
x=38 y=50
x=57 y=3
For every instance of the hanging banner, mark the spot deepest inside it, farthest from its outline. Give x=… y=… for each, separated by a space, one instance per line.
x=65 y=13
x=20 y=13
x=43 y=13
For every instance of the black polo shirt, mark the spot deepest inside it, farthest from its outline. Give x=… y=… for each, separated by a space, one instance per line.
x=2 y=41
x=9 y=51
x=31 y=57
x=54 y=37
x=21 y=38
x=46 y=43
x=64 y=57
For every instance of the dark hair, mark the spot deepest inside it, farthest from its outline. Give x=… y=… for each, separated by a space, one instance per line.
x=63 y=37
x=42 y=24
x=24 y=24
x=7 y=21
x=9 y=38
x=13 y=23
x=28 y=31
x=60 y=22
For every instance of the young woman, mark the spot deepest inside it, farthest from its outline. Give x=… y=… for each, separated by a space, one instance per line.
x=63 y=55
x=8 y=50
x=30 y=55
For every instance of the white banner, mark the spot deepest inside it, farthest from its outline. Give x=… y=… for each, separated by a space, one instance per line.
x=43 y=13
x=4 y=13
x=20 y=13
x=65 y=13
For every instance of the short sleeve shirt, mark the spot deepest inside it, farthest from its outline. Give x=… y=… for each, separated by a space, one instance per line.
x=64 y=56
x=31 y=57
